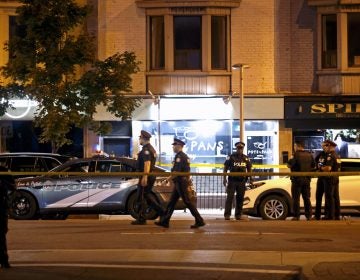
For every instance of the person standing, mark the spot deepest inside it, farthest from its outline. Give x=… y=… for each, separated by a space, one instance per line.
x=145 y=163
x=181 y=164
x=6 y=184
x=302 y=161
x=327 y=161
x=236 y=162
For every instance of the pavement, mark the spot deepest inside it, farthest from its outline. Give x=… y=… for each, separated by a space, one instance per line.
x=200 y=264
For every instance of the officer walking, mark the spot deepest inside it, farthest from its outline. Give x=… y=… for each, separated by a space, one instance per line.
x=6 y=184
x=181 y=164
x=327 y=161
x=302 y=161
x=145 y=163
x=236 y=162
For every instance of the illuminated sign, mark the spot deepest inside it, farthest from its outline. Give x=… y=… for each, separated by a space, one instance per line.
x=21 y=108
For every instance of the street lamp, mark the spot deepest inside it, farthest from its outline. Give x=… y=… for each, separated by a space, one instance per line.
x=241 y=67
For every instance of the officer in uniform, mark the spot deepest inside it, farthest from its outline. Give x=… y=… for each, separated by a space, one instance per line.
x=302 y=161
x=145 y=163
x=236 y=162
x=328 y=161
x=6 y=184
x=181 y=164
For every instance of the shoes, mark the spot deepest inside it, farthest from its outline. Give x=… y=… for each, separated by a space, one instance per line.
x=160 y=224
x=227 y=218
x=139 y=222
x=295 y=219
x=242 y=218
x=5 y=265
x=197 y=225
x=337 y=218
x=315 y=218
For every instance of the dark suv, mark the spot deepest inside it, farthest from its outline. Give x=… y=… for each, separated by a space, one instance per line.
x=31 y=162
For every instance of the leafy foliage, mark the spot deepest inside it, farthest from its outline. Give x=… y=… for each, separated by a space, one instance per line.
x=53 y=62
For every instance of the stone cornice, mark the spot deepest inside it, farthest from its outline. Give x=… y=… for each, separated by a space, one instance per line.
x=187 y=3
x=332 y=2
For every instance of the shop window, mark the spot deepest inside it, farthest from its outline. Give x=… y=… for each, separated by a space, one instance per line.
x=218 y=42
x=187 y=42
x=157 y=43
x=354 y=39
x=329 y=41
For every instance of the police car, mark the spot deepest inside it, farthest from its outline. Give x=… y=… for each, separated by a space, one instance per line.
x=87 y=186
x=271 y=199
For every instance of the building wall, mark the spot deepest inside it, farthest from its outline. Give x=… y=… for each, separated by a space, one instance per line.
x=122 y=27
x=252 y=42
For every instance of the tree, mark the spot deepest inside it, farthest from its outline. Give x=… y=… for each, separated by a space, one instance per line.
x=53 y=62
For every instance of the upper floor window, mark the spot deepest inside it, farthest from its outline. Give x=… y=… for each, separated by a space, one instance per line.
x=329 y=41
x=218 y=42
x=15 y=30
x=187 y=42
x=353 y=39
x=157 y=43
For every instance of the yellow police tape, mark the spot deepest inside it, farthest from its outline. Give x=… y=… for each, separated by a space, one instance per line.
x=174 y=174
x=221 y=165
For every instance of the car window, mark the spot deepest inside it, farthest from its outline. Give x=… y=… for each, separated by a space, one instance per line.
x=350 y=166
x=27 y=164
x=51 y=163
x=77 y=167
x=3 y=162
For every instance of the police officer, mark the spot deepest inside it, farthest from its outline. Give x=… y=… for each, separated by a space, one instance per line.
x=181 y=164
x=327 y=161
x=302 y=161
x=236 y=162
x=145 y=163
x=6 y=184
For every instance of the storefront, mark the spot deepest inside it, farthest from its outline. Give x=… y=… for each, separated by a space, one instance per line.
x=314 y=119
x=208 y=125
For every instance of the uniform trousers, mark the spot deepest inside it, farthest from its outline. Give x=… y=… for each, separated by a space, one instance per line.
x=144 y=194
x=301 y=185
x=4 y=258
x=232 y=187
x=181 y=190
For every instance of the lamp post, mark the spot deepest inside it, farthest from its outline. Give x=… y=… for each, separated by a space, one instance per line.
x=241 y=67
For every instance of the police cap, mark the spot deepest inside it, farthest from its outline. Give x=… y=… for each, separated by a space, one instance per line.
x=178 y=142
x=144 y=134
x=240 y=144
x=329 y=143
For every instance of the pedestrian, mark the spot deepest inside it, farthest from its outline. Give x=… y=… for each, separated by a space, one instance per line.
x=6 y=184
x=236 y=162
x=302 y=161
x=145 y=163
x=328 y=161
x=181 y=164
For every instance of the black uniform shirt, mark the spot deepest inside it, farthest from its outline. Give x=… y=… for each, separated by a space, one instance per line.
x=237 y=163
x=181 y=164
x=147 y=153
x=302 y=161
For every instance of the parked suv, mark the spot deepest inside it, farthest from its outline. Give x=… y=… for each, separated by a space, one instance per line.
x=31 y=162
x=271 y=199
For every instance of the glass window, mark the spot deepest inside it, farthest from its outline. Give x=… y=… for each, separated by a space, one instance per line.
x=15 y=30
x=354 y=39
x=329 y=41
x=157 y=44
x=187 y=42
x=218 y=42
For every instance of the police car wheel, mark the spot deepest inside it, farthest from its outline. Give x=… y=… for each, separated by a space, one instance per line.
x=23 y=206
x=132 y=209
x=273 y=207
